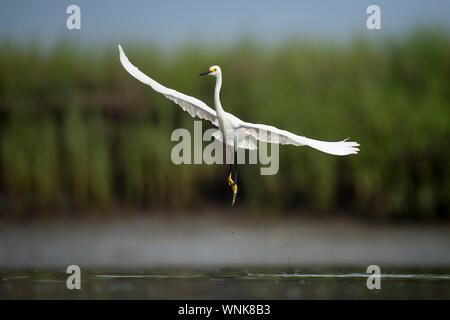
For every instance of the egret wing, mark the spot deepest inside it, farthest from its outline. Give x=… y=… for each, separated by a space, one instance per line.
x=271 y=134
x=193 y=106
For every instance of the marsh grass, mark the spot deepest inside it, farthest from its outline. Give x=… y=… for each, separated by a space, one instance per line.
x=78 y=131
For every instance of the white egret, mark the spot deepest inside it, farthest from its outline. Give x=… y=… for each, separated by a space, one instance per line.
x=231 y=127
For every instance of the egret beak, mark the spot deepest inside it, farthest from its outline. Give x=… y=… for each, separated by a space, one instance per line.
x=205 y=73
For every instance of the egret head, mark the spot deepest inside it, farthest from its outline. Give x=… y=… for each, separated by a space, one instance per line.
x=212 y=71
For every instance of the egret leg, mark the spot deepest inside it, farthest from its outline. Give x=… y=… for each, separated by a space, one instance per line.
x=232 y=178
x=234 y=187
x=235 y=173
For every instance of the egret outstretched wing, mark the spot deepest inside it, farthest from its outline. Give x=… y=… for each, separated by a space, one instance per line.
x=271 y=134
x=193 y=106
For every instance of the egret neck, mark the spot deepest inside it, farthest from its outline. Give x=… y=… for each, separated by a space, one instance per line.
x=217 y=103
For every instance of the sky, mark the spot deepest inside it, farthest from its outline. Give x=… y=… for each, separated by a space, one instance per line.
x=176 y=22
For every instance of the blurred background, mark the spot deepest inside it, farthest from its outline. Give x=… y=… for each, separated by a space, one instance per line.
x=83 y=144
x=78 y=133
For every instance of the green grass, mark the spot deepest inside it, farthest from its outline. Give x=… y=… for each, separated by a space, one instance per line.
x=77 y=131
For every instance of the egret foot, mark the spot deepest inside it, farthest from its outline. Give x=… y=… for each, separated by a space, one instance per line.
x=230 y=180
x=234 y=188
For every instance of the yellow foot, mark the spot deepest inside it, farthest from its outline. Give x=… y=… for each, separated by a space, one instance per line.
x=230 y=180
x=235 y=189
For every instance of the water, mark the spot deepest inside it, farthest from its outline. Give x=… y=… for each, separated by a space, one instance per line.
x=260 y=283
x=217 y=256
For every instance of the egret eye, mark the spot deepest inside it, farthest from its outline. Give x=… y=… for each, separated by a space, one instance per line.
x=213 y=70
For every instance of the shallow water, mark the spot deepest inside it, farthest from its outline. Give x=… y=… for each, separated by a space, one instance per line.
x=310 y=283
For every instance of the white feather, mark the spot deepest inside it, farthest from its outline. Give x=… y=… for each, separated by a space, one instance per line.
x=271 y=134
x=193 y=106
